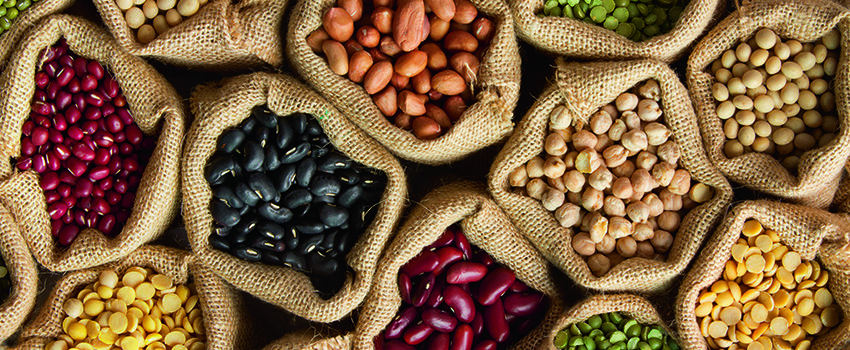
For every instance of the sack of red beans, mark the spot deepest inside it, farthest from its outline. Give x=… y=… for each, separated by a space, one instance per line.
x=800 y=152
x=458 y=272
x=20 y=268
x=24 y=22
x=276 y=256
x=94 y=136
x=309 y=340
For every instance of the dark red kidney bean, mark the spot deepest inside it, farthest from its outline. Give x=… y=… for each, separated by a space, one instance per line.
x=405 y=287
x=495 y=322
x=523 y=304
x=399 y=324
x=519 y=287
x=439 y=341
x=436 y=297
x=396 y=345
x=477 y=324
x=465 y=272
x=463 y=244
x=417 y=333
x=426 y=261
x=422 y=290
x=445 y=257
x=445 y=239
x=484 y=258
x=488 y=344
x=460 y=302
x=494 y=285
x=463 y=337
x=439 y=320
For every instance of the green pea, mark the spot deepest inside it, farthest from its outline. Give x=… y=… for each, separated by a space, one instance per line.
x=608 y=328
x=589 y=343
x=555 y=12
x=596 y=332
x=23 y=5
x=561 y=339
x=643 y=346
x=572 y=3
x=562 y=2
x=650 y=30
x=567 y=11
x=611 y=23
x=598 y=14
x=639 y=23
x=621 y=14
x=655 y=344
x=622 y=3
x=617 y=337
x=2 y=11
x=625 y=29
x=5 y=23
x=618 y=346
x=550 y=5
x=12 y=13
x=9 y=3
x=628 y=324
x=576 y=341
x=655 y=333
x=604 y=344
x=650 y=19
x=616 y=318
x=594 y=3
x=666 y=3
x=609 y=5
x=632 y=343
x=674 y=13
x=643 y=9
x=584 y=328
x=633 y=331
x=661 y=14
x=574 y=331
x=581 y=347
x=581 y=10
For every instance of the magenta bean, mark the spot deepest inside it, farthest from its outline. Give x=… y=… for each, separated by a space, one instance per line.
x=495 y=322
x=134 y=134
x=446 y=256
x=76 y=167
x=523 y=304
x=66 y=60
x=121 y=187
x=27 y=148
x=88 y=83
x=94 y=98
x=113 y=197
x=484 y=258
x=75 y=133
x=29 y=125
x=112 y=89
x=422 y=290
x=80 y=101
x=100 y=205
x=463 y=337
x=64 y=99
x=39 y=164
x=114 y=124
x=439 y=341
x=436 y=297
x=106 y=224
x=400 y=322
x=510 y=319
x=83 y=188
x=42 y=120
x=64 y=189
x=488 y=344
x=494 y=285
x=422 y=263
x=51 y=196
x=92 y=219
x=405 y=286
x=39 y=95
x=74 y=86
x=83 y=203
x=51 y=68
x=105 y=184
x=67 y=234
x=519 y=287
x=89 y=127
x=465 y=272
x=101 y=157
x=49 y=181
x=463 y=244
x=91 y=113
x=55 y=136
x=130 y=164
x=460 y=302
x=24 y=164
x=73 y=115
x=119 y=137
x=445 y=239
x=439 y=320
x=83 y=152
x=107 y=109
x=56 y=210
x=53 y=162
x=97 y=192
x=39 y=136
x=80 y=66
x=64 y=76
x=52 y=90
x=397 y=345
x=41 y=80
x=114 y=165
x=417 y=333
x=125 y=116
x=95 y=69
x=98 y=173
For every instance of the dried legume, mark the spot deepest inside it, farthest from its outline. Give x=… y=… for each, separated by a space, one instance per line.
x=636 y=20
x=613 y=331
x=153 y=17
x=10 y=10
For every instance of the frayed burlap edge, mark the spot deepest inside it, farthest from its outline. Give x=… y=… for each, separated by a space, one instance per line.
x=309 y=340
x=23 y=273
x=25 y=21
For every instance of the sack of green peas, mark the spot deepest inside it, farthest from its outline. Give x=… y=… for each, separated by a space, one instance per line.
x=18 y=16
x=18 y=267
x=614 y=29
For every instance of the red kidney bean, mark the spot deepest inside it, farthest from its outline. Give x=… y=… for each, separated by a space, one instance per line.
x=460 y=302
x=494 y=285
x=465 y=272
x=423 y=290
x=445 y=257
x=495 y=322
x=436 y=297
x=404 y=287
x=522 y=304
x=417 y=333
x=424 y=262
x=400 y=323
x=484 y=258
x=439 y=341
x=439 y=320
x=477 y=324
x=519 y=287
x=396 y=345
x=445 y=239
x=463 y=337
x=67 y=234
x=463 y=244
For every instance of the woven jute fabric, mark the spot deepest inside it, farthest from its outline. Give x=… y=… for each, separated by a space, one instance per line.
x=25 y=21
x=221 y=306
x=841 y=202
x=583 y=89
x=485 y=226
x=157 y=110
x=485 y=122
x=219 y=107
x=310 y=340
x=813 y=233
x=628 y=305
x=574 y=38
x=22 y=272
x=820 y=169
x=223 y=35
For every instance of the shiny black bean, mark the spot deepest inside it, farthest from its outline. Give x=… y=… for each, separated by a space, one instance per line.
x=328 y=285
x=324 y=184
x=291 y=236
x=321 y=140
x=302 y=211
x=371 y=195
x=262 y=185
x=304 y=172
x=217 y=170
x=224 y=214
x=271 y=259
x=238 y=238
x=246 y=225
x=284 y=136
x=344 y=241
x=319 y=151
x=219 y=243
x=372 y=181
x=296 y=198
x=358 y=214
x=314 y=128
x=225 y=194
x=322 y=265
x=244 y=210
x=246 y=194
x=348 y=176
x=350 y=196
x=309 y=227
x=308 y=244
x=323 y=199
x=263 y=136
x=298 y=121
x=296 y=153
x=265 y=243
x=271 y=230
x=272 y=160
x=293 y=260
x=328 y=240
x=274 y=212
x=265 y=117
x=248 y=124
x=221 y=231
x=284 y=177
x=231 y=140
x=334 y=161
x=333 y=216
x=254 y=156
x=249 y=254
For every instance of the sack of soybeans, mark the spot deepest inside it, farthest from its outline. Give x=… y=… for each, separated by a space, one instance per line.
x=218 y=35
x=769 y=87
x=95 y=155
x=607 y=177
x=775 y=276
x=20 y=17
x=459 y=272
x=285 y=198
x=663 y=30
x=433 y=94
x=18 y=277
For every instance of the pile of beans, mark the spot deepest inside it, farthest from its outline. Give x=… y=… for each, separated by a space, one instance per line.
x=455 y=294
x=418 y=60
x=774 y=96
x=612 y=331
x=141 y=310
x=153 y=17
x=82 y=140
x=5 y=281
x=283 y=195
x=636 y=20
x=617 y=180
x=9 y=10
x=768 y=297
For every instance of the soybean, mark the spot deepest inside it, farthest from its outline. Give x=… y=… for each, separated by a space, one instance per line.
x=153 y=17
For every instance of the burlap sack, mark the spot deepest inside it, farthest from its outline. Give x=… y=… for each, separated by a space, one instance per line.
x=224 y=35
x=224 y=318
x=841 y=202
x=485 y=226
x=820 y=169
x=584 y=88
x=223 y=106
x=486 y=122
x=310 y=340
x=157 y=110
x=23 y=274
x=25 y=21
x=628 y=305
x=808 y=231
x=574 y=38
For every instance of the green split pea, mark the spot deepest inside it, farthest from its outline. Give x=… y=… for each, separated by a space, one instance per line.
x=10 y=10
x=637 y=20
x=613 y=331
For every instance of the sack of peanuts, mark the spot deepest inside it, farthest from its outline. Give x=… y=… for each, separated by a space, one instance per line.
x=458 y=272
x=660 y=30
x=158 y=295
x=606 y=176
x=433 y=81
x=285 y=198
x=218 y=35
x=777 y=275
x=768 y=87
x=310 y=340
x=18 y=277
x=20 y=18
x=95 y=170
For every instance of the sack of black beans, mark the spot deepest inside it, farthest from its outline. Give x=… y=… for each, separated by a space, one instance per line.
x=301 y=219
x=309 y=340
x=95 y=161
x=493 y=84
x=623 y=168
x=572 y=37
x=18 y=277
x=781 y=133
x=804 y=281
x=456 y=246
x=24 y=21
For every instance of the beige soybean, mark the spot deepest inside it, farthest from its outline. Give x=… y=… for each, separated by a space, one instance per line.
x=153 y=17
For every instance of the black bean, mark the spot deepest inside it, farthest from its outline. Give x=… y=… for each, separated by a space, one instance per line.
x=220 y=243
x=284 y=178
x=246 y=194
x=249 y=254
x=224 y=214
x=275 y=213
x=265 y=243
x=238 y=238
x=325 y=184
x=246 y=225
x=296 y=198
x=374 y=181
x=298 y=121
x=313 y=127
x=328 y=285
x=270 y=230
x=301 y=211
x=291 y=236
x=334 y=161
x=221 y=231
x=322 y=265
x=323 y=199
x=265 y=117
x=309 y=227
x=248 y=124
x=319 y=152
x=262 y=185
x=296 y=153
x=231 y=140
x=308 y=244
x=225 y=194
x=271 y=259
x=284 y=136
x=333 y=216
x=304 y=172
x=293 y=260
x=328 y=240
x=244 y=210
x=262 y=135
x=321 y=140
x=272 y=160
x=253 y=157
x=344 y=241
x=350 y=196
x=217 y=169
x=348 y=176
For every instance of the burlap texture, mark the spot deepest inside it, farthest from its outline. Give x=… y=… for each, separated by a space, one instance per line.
x=485 y=226
x=222 y=106
x=574 y=38
x=223 y=36
x=584 y=88
x=157 y=110
x=23 y=274
x=628 y=305
x=310 y=340
x=224 y=318
x=25 y=21
x=808 y=231
x=841 y=202
x=820 y=169
x=486 y=122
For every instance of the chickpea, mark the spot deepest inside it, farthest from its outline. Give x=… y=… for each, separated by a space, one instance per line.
x=557 y=182
x=637 y=211
x=566 y=134
x=700 y=193
x=671 y=201
x=602 y=143
x=607 y=245
x=573 y=180
x=668 y=221
x=559 y=118
x=635 y=140
x=614 y=206
x=742 y=52
x=588 y=161
x=555 y=145
x=598 y=264
x=518 y=177
x=661 y=241
x=631 y=119
x=592 y=199
x=552 y=199
x=535 y=188
x=830 y=66
x=574 y=197
x=598 y=226
x=791 y=109
x=645 y=250
x=601 y=179
x=663 y=173
x=583 y=139
x=653 y=203
x=657 y=133
x=643 y=231
x=583 y=245
x=820 y=53
x=568 y=215
x=619 y=227
x=783 y=136
x=776 y=82
x=615 y=155
x=617 y=130
x=650 y=90
x=763 y=103
x=816 y=72
x=627 y=247
x=600 y=122
x=642 y=181
x=669 y=152
x=624 y=170
x=681 y=182
x=554 y=167
x=534 y=167
x=827 y=102
x=570 y=159
x=626 y=102
x=802 y=82
x=622 y=188
x=649 y=110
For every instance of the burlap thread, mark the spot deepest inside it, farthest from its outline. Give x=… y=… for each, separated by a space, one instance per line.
x=22 y=272
x=310 y=340
x=25 y=21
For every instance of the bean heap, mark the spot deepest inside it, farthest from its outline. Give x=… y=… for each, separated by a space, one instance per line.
x=153 y=17
x=418 y=60
x=774 y=96
x=141 y=310
x=9 y=10
x=455 y=294
x=612 y=331
x=82 y=140
x=767 y=298
x=636 y=20
x=5 y=281
x=616 y=180
x=283 y=195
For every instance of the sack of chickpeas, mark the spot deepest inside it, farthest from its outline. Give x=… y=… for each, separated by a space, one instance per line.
x=95 y=155
x=440 y=78
x=18 y=277
x=21 y=17
x=607 y=177
x=769 y=87
x=157 y=297
x=285 y=198
x=662 y=30
x=774 y=275
x=218 y=35
x=309 y=340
